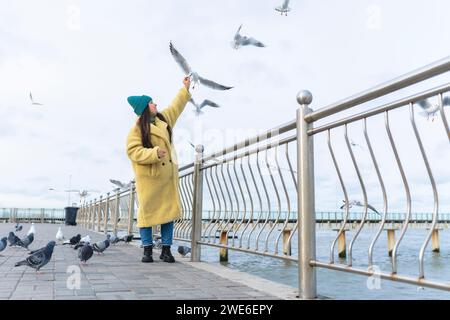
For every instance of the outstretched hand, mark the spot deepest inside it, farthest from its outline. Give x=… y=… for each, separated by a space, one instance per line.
x=187 y=82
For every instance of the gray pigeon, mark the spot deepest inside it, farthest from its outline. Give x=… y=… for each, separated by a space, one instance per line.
x=188 y=71
x=85 y=252
x=183 y=250
x=113 y=239
x=239 y=40
x=73 y=241
x=100 y=246
x=25 y=242
x=38 y=258
x=13 y=239
x=18 y=227
x=3 y=244
x=126 y=238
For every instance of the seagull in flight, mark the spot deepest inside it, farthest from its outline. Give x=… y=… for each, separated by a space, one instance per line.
x=239 y=40
x=196 y=78
x=284 y=8
x=359 y=204
x=33 y=102
x=354 y=144
x=120 y=184
x=431 y=110
x=205 y=103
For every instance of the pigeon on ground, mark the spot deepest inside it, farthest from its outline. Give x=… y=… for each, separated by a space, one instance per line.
x=13 y=239
x=82 y=242
x=59 y=235
x=183 y=250
x=189 y=72
x=33 y=102
x=38 y=258
x=284 y=8
x=126 y=238
x=239 y=40
x=25 y=242
x=18 y=227
x=205 y=103
x=100 y=246
x=73 y=241
x=32 y=229
x=85 y=252
x=3 y=244
x=359 y=204
x=157 y=243
x=113 y=239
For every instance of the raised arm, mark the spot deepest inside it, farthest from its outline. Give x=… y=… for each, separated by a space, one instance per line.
x=137 y=152
x=172 y=112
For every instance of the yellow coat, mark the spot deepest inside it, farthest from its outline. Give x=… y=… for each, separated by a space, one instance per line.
x=157 y=179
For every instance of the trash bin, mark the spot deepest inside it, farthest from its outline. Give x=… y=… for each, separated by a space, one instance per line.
x=71 y=215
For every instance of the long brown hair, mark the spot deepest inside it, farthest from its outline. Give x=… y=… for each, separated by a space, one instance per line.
x=144 y=125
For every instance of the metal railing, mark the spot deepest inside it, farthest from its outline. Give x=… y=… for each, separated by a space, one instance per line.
x=259 y=202
x=40 y=215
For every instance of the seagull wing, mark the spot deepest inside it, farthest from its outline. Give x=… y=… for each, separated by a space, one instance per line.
x=207 y=102
x=372 y=208
x=212 y=84
x=117 y=183
x=286 y=3
x=31 y=97
x=255 y=42
x=237 y=35
x=424 y=104
x=180 y=59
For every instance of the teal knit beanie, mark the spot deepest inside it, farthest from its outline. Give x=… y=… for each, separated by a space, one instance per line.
x=139 y=103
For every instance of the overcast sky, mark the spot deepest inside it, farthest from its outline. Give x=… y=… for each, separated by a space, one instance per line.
x=81 y=59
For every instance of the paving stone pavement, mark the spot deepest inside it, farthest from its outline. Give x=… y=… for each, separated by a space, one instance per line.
x=116 y=274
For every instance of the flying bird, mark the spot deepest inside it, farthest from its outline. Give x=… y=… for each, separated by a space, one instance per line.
x=38 y=258
x=196 y=78
x=183 y=250
x=239 y=40
x=359 y=204
x=33 y=102
x=3 y=244
x=284 y=8
x=205 y=103
x=85 y=252
x=120 y=184
x=430 y=110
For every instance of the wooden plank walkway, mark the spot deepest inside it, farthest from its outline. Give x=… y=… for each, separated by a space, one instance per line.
x=119 y=274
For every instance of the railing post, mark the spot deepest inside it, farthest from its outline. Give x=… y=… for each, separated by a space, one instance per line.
x=131 y=208
x=93 y=214
x=197 y=205
x=105 y=224
x=99 y=213
x=305 y=200
x=116 y=213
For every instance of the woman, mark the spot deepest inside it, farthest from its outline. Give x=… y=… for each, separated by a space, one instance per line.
x=153 y=157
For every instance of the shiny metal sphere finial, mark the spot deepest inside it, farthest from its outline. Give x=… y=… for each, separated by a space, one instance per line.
x=199 y=148
x=304 y=97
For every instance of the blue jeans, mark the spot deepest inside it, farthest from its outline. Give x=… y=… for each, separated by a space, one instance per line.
x=166 y=234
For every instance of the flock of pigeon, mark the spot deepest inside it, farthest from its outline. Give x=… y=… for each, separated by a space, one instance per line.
x=40 y=257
